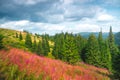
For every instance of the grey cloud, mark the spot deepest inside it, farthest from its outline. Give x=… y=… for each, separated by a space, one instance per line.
x=13 y=11
x=49 y=11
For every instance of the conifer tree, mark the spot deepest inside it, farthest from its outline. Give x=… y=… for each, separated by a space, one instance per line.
x=117 y=39
x=70 y=50
x=80 y=43
x=105 y=55
x=1 y=41
x=28 y=41
x=113 y=48
x=34 y=49
x=58 y=45
x=100 y=39
x=39 y=48
x=16 y=35
x=45 y=45
x=20 y=36
x=115 y=54
x=92 y=51
x=116 y=67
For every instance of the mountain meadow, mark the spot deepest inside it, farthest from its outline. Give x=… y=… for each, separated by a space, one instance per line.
x=64 y=56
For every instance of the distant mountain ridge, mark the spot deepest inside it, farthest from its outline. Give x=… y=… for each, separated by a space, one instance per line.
x=86 y=34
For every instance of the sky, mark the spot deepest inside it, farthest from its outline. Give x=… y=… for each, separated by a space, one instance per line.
x=55 y=16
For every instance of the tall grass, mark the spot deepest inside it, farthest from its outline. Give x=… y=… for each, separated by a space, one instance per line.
x=17 y=64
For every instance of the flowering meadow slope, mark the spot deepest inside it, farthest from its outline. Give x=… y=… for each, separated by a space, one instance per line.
x=52 y=69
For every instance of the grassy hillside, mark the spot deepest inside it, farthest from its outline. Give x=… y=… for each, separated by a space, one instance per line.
x=11 y=40
x=46 y=69
x=18 y=64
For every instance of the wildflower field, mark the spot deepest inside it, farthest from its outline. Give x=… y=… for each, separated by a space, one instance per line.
x=28 y=65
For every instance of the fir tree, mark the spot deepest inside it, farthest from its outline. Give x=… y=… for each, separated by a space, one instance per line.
x=70 y=50
x=20 y=36
x=28 y=41
x=114 y=54
x=45 y=45
x=1 y=41
x=39 y=48
x=16 y=35
x=58 y=45
x=113 y=48
x=34 y=49
x=92 y=51
x=100 y=38
x=116 y=67
x=117 y=39
x=80 y=43
x=105 y=55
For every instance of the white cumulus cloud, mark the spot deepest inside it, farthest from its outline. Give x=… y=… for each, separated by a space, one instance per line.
x=105 y=17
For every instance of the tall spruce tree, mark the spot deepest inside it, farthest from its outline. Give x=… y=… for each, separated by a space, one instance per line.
x=70 y=50
x=80 y=43
x=100 y=39
x=28 y=41
x=58 y=45
x=16 y=35
x=45 y=45
x=34 y=49
x=113 y=48
x=20 y=36
x=92 y=51
x=107 y=59
x=115 y=54
x=117 y=39
x=105 y=55
x=1 y=41
x=116 y=67
x=39 y=48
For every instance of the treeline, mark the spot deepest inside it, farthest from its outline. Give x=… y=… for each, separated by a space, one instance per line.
x=35 y=43
x=96 y=51
x=41 y=47
x=73 y=49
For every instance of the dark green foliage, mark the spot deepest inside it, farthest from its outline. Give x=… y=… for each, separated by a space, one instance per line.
x=113 y=48
x=1 y=41
x=65 y=48
x=100 y=39
x=39 y=48
x=107 y=63
x=116 y=67
x=70 y=50
x=28 y=41
x=58 y=45
x=92 y=51
x=45 y=44
x=117 y=38
x=80 y=43
x=20 y=36
x=105 y=55
x=34 y=46
x=115 y=55
x=16 y=35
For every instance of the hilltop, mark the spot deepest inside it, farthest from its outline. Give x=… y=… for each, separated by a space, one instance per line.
x=11 y=40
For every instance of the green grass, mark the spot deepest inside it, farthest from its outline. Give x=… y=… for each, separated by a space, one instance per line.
x=10 y=39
